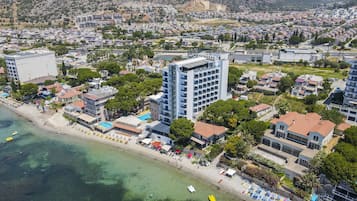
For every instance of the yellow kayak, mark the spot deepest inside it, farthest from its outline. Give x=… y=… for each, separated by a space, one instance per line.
x=211 y=198
x=9 y=139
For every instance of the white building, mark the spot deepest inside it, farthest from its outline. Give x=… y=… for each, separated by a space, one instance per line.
x=191 y=85
x=297 y=55
x=29 y=65
x=306 y=85
x=349 y=107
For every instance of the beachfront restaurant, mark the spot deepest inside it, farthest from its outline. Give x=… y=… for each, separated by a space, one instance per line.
x=86 y=120
x=159 y=132
x=128 y=125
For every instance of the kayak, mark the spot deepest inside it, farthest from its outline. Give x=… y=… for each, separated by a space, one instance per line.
x=9 y=139
x=211 y=198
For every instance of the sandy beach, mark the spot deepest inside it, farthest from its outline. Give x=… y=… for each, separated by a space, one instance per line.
x=56 y=123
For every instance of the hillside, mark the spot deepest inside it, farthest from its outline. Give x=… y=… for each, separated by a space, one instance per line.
x=51 y=10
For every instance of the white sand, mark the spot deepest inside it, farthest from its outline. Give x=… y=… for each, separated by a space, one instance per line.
x=58 y=124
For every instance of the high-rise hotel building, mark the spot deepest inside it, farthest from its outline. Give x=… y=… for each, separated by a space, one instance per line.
x=191 y=85
x=350 y=96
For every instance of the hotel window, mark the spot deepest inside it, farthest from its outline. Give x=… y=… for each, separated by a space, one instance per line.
x=316 y=138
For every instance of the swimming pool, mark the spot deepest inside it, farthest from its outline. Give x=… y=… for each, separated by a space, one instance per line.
x=145 y=117
x=106 y=125
x=5 y=95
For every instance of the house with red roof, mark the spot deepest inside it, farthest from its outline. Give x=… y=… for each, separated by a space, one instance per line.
x=299 y=135
x=205 y=134
x=261 y=109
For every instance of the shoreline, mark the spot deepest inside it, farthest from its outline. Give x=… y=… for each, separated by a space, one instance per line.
x=209 y=174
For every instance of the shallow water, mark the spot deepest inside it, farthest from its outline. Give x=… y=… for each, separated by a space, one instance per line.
x=42 y=166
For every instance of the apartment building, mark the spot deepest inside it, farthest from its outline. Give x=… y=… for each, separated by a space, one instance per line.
x=270 y=82
x=243 y=81
x=307 y=85
x=30 y=65
x=191 y=85
x=298 y=135
x=95 y=100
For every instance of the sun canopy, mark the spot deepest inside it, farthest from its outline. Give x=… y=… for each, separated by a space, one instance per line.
x=230 y=172
x=166 y=147
x=146 y=141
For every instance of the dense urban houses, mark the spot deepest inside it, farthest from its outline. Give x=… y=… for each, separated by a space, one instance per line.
x=307 y=85
x=31 y=65
x=191 y=85
x=297 y=138
x=95 y=100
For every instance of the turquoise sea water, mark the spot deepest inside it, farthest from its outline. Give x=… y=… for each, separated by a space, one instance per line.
x=41 y=166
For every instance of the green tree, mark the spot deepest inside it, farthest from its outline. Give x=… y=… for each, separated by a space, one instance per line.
x=236 y=147
x=351 y=135
x=285 y=83
x=309 y=181
x=251 y=83
x=337 y=169
x=181 y=130
x=310 y=99
x=317 y=161
x=234 y=75
x=349 y=151
x=332 y=115
x=254 y=128
x=48 y=82
x=29 y=89
x=111 y=66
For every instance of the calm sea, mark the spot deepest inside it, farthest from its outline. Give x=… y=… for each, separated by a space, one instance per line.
x=41 y=166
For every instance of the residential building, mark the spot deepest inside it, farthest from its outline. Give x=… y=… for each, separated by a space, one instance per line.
x=300 y=135
x=241 y=87
x=31 y=65
x=307 y=85
x=191 y=85
x=68 y=96
x=205 y=134
x=95 y=100
x=270 y=82
x=298 y=55
x=97 y=20
x=340 y=192
x=261 y=109
x=154 y=101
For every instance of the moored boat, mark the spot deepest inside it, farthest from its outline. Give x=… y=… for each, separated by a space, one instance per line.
x=9 y=139
x=191 y=188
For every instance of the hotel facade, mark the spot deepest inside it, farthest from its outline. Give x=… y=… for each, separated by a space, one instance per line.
x=191 y=85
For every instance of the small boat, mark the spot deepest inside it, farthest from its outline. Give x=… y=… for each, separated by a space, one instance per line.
x=14 y=133
x=211 y=198
x=191 y=188
x=9 y=139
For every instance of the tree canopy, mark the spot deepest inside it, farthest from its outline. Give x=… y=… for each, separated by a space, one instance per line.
x=29 y=89
x=229 y=113
x=83 y=75
x=332 y=115
x=234 y=75
x=111 y=66
x=285 y=83
x=255 y=128
x=236 y=147
x=351 y=135
x=181 y=130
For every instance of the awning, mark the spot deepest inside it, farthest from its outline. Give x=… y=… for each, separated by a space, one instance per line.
x=230 y=172
x=166 y=147
x=198 y=141
x=146 y=141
